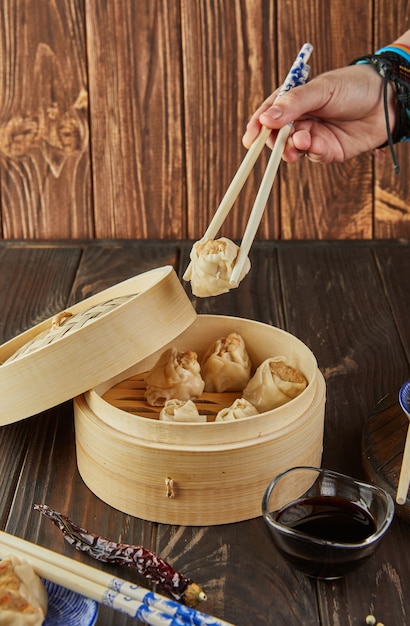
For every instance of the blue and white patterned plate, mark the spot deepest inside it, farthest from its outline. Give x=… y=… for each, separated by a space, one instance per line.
x=67 y=608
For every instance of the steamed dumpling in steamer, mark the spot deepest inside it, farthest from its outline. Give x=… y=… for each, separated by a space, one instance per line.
x=226 y=365
x=239 y=409
x=176 y=375
x=273 y=384
x=180 y=411
x=23 y=597
x=212 y=262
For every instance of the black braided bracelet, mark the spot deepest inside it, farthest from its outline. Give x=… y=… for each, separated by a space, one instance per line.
x=395 y=68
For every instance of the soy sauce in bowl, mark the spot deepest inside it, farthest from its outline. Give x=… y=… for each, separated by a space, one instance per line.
x=331 y=524
x=328 y=518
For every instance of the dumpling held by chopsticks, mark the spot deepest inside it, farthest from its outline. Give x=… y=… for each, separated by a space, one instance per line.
x=212 y=263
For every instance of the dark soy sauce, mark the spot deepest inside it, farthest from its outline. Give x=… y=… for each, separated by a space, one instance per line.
x=329 y=518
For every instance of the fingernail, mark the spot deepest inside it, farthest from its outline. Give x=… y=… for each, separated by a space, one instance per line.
x=247 y=138
x=274 y=112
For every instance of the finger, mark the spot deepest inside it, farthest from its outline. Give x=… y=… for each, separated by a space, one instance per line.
x=266 y=104
x=291 y=154
x=252 y=131
x=322 y=150
x=302 y=140
x=254 y=125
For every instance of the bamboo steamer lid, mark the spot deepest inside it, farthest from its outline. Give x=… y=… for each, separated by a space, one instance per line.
x=90 y=342
x=199 y=473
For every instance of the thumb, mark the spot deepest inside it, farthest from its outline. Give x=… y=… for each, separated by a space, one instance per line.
x=293 y=104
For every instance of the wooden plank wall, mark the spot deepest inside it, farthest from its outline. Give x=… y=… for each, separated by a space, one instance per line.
x=124 y=118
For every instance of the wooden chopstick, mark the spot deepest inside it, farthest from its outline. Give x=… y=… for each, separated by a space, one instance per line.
x=404 y=478
x=296 y=76
x=234 y=189
x=272 y=167
x=259 y=204
x=149 y=607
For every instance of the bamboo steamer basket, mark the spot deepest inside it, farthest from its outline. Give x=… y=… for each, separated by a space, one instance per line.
x=197 y=473
x=90 y=342
x=98 y=352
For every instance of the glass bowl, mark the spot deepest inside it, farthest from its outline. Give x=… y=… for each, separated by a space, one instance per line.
x=325 y=523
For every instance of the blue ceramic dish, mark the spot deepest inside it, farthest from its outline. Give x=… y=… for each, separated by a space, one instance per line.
x=67 y=608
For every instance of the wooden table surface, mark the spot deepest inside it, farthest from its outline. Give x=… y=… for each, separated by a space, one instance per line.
x=348 y=301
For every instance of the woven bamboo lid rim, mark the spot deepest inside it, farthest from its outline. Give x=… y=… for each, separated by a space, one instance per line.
x=72 y=323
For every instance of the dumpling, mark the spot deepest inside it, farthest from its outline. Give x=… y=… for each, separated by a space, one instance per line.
x=181 y=411
x=23 y=597
x=212 y=262
x=273 y=384
x=239 y=409
x=226 y=365
x=176 y=375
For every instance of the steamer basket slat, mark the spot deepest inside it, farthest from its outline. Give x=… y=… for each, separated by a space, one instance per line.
x=204 y=473
x=128 y=395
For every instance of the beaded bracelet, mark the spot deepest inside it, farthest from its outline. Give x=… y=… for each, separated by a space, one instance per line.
x=393 y=64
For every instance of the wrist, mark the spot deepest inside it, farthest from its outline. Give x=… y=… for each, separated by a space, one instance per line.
x=392 y=63
x=403 y=39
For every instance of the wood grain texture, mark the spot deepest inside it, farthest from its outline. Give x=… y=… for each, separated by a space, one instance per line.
x=256 y=565
x=34 y=284
x=348 y=296
x=135 y=66
x=229 y=69
x=396 y=285
x=124 y=119
x=107 y=263
x=39 y=292
x=44 y=131
x=12 y=438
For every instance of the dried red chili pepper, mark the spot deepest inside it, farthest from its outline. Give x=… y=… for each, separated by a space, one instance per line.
x=143 y=560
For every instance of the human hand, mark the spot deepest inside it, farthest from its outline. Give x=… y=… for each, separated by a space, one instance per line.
x=336 y=116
